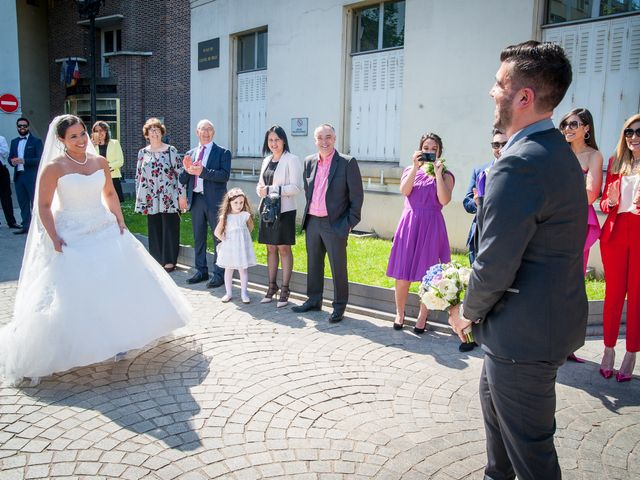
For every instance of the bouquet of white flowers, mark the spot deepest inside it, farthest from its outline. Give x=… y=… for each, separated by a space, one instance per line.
x=443 y=285
x=430 y=169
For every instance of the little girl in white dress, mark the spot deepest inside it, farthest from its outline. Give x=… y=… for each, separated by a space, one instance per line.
x=235 y=251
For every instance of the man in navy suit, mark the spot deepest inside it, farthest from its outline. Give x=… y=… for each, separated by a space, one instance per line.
x=526 y=297
x=206 y=179
x=24 y=155
x=470 y=201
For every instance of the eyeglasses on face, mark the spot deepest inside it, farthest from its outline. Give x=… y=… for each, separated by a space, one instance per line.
x=497 y=145
x=628 y=132
x=23 y=125
x=570 y=125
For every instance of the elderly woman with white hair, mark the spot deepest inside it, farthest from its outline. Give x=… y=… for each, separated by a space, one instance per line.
x=206 y=173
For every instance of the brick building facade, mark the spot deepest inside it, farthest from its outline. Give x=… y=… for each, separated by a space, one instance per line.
x=148 y=72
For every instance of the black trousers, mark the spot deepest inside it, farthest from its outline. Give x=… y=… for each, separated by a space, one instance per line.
x=25 y=191
x=518 y=403
x=164 y=237
x=321 y=240
x=5 y=195
x=204 y=219
x=117 y=185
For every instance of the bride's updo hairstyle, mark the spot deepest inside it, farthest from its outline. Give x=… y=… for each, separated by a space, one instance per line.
x=67 y=121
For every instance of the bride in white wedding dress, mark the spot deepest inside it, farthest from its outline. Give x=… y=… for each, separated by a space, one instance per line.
x=88 y=289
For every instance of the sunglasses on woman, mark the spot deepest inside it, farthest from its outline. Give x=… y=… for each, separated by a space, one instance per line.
x=628 y=132
x=570 y=125
x=497 y=145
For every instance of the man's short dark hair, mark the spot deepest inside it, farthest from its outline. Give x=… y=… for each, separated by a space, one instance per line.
x=23 y=119
x=543 y=67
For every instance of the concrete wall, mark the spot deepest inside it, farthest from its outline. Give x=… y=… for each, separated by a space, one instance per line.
x=34 y=66
x=450 y=64
x=9 y=65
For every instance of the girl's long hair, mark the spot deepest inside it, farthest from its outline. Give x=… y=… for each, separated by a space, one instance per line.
x=225 y=208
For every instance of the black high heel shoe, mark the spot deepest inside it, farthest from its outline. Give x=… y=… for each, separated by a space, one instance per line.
x=419 y=330
x=398 y=326
x=283 y=301
x=273 y=289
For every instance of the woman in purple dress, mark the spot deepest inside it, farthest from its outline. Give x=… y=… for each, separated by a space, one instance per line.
x=421 y=239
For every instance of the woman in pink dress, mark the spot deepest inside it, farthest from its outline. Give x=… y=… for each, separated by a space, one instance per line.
x=577 y=127
x=421 y=239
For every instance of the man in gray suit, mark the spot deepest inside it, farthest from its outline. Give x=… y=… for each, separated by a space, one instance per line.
x=333 y=188
x=526 y=298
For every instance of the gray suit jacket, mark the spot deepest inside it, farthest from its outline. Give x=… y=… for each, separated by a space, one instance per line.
x=527 y=284
x=344 y=191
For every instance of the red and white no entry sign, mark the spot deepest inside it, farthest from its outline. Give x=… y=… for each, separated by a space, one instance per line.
x=8 y=103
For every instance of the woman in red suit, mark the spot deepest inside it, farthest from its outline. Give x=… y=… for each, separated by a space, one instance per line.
x=621 y=250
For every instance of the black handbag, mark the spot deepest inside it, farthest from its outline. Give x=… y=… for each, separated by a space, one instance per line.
x=270 y=208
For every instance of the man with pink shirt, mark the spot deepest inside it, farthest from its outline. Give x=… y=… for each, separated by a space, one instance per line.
x=333 y=188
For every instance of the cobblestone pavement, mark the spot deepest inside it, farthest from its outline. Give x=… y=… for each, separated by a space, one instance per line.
x=251 y=391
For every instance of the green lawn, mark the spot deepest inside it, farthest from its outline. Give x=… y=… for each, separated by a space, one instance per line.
x=367 y=257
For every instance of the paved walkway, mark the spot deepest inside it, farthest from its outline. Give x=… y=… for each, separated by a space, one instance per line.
x=250 y=391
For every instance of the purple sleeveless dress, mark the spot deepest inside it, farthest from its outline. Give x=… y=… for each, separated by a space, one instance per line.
x=421 y=238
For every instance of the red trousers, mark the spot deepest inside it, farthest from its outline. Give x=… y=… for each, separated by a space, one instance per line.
x=621 y=261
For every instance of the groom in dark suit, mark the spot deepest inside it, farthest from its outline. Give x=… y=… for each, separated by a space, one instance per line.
x=24 y=155
x=526 y=297
x=334 y=193
x=206 y=178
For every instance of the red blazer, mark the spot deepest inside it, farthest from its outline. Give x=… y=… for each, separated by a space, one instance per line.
x=607 y=226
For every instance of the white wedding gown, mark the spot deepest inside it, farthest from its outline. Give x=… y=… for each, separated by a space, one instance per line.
x=104 y=293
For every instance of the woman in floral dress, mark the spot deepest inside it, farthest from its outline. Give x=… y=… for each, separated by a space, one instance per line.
x=159 y=194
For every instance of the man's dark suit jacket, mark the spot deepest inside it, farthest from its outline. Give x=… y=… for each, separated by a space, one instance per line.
x=344 y=191
x=215 y=174
x=470 y=206
x=527 y=284
x=32 y=154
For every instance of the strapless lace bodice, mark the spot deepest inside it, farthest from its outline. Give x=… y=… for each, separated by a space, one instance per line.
x=79 y=209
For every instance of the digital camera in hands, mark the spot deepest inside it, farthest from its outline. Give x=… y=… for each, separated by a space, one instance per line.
x=427 y=157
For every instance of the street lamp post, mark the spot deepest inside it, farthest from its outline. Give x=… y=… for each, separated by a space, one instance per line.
x=90 y=8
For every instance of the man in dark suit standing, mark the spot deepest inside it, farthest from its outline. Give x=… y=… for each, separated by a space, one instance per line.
x=334 y=193
x=5 y=185
x=24 y=155
x=526 y=297
x=206 y=173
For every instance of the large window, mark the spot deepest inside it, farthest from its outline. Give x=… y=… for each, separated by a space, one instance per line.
x=107 y=109
x=252 y=52
x=379 y=27
x=559 y=11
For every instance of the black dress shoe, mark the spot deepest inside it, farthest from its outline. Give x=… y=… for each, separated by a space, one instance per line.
x=21 y=232
x=467 y=346
x=336 y=316
x=307 y=306
x=215 y=282
x=15 y=226
x=198 y=277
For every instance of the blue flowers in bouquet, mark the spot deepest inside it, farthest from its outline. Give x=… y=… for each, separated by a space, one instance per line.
x=443 y=285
